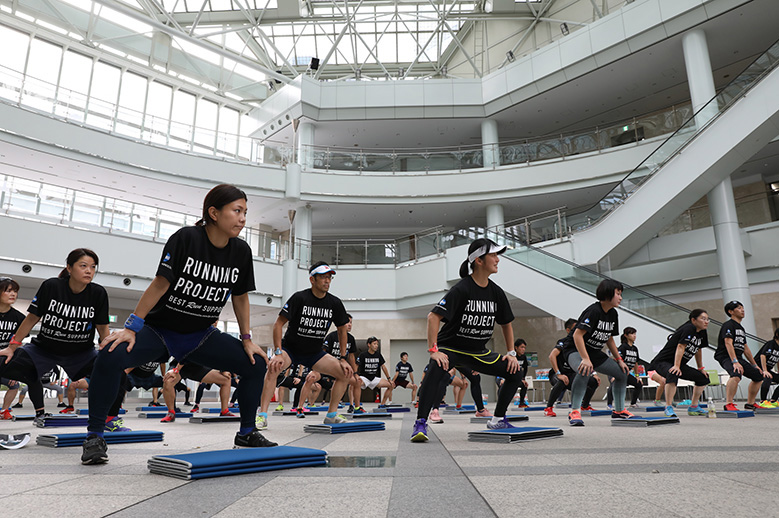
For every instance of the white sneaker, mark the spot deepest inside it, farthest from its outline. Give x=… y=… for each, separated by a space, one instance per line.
x=338 y=419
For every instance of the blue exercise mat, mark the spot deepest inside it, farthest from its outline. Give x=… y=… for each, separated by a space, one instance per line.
x=150 y=408
x=516 y=434
x=233 y=462
x=214 y=419
x=471 y=408
x=76 y=439
x=533 y=409
x=160 y=415
x=735 y=413
x=645 y=421
x=511 y=418
x=218 y=410
x=391 y=409
x=370 y=415
x=69 y=420
x=364 y=426
x=655 y=409
x=594 y=413
x=85 y=411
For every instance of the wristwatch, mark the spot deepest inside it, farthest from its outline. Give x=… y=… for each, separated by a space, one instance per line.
x=512 y=353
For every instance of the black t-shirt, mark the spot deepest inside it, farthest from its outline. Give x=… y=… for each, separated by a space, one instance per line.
x=692 y=339
x=309 y=319
x=146 y=370
x=369 y=365
x=470 y=313
x=770 y=350
x=202 y=277
x=598 y=327
x=68 y=319
x=522 y=359
x=403 y=369
x=735 y=331
x=50 y=377
x=332 y=346
x=629 y=354
x=9 y=322
x=562 y=361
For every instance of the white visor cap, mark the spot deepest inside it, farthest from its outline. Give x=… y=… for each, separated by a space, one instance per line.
x=489 y=248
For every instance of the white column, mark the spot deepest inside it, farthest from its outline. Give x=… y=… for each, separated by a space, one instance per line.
x=305 y=141
x=303 y=235
x=489 y=143
x=289 y=279
x=495 y=221
x=722 y=205
x=292 y=181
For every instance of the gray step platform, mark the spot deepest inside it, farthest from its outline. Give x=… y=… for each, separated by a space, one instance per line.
x=645 y=421
x=511 y=418
x=214 y=419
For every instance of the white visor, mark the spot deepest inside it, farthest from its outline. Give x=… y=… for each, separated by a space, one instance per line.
x=319 y=270
x=486 y=249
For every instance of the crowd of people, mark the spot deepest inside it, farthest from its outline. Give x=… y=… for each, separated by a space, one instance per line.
x=205 y=265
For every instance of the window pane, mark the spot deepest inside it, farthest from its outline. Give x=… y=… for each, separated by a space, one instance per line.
x=182 y=118
x=22 y=195
x=103 y=95
x=144 y=220
x=205 y=125
x=132 y=100
x=158 y=112
x=227 y=140
x=12 y=63
x=54 y=202
x=87 y=208
x=74 y=86
x=117 y=215
x=42 y=71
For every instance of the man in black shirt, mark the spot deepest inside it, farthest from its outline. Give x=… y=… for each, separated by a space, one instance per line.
x=767 y=358
x=10 y=319
x=309 y=314
x=731 y=350
x=403 y=371
x=333 y=346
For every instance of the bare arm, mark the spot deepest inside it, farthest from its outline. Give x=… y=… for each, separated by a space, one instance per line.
x=732 y=354
x=678 y=355
x=21 y=332
x=148 y=300
x=433 y=325
x=508 y=335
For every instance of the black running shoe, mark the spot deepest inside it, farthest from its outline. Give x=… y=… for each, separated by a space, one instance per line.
x=95 y=450
x=18 y=405
x=253 y=439
x=747 y=406
x=350 y=410
x=62 y=405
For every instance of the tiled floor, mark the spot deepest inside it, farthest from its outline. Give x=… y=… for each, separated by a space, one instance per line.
x=701 y=467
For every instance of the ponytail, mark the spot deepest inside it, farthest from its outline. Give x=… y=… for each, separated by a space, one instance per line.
x=74 y=256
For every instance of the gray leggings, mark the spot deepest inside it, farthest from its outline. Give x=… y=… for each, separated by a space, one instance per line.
x=51 y=386
x=608 y=367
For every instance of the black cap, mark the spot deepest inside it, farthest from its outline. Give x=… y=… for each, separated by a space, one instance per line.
x=730 y=306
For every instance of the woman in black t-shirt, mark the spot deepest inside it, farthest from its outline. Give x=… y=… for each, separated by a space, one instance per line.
x=685 y=343
x=597 y=326
x=10 y=319
x=629 y=353
x=70 y=308
x=469 y=312
x=201 y=267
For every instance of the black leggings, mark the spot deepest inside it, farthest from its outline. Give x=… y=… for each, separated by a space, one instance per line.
x=633 y=382
x=558 y=388
x=217 y=350
x=475 y=380
x=767 y=382
x=22 y=368
x=488 y=363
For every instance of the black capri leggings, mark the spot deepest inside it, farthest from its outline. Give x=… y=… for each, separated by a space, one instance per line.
x=767 y=382
x=633 y=382
x=476 y=392
x=217 y=350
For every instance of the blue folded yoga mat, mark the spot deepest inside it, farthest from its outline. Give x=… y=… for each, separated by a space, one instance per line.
x=471 y=408
x=533 y=409
x=511 y=418
x=517 y=434
x=150 y=408
x=232 y=462
x=593 y=413
x=85 y=411
x=214 y=419
x=76 y=439
x=391 y=409
x=218 y=410
x=645 y=421
x=735 y=413
x=363 y=426
x=371 y=415
x=70 y=420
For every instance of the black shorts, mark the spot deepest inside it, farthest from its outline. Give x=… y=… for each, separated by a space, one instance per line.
x=193 y=371
x=307 y=360
x=144 y=382
x=289 y=382
x=326 y=382
x=750 y=371
x=701 y=379
x=401 y=382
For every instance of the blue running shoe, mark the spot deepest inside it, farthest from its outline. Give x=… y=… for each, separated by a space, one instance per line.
x=116 y=425
x=503 y=424
x=695 y=410
x=420 y=431
x=669 y=411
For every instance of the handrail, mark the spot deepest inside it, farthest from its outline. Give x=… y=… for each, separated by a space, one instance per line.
x=84 y=110
x=677 y=141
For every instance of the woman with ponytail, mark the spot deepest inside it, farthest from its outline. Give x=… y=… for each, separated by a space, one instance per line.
x=70 y=308
x=629 y=353
x=469 y=312
x=201 y=267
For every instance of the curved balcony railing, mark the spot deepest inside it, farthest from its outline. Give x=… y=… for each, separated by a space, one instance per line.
x=706 y=115
x=87 y=111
